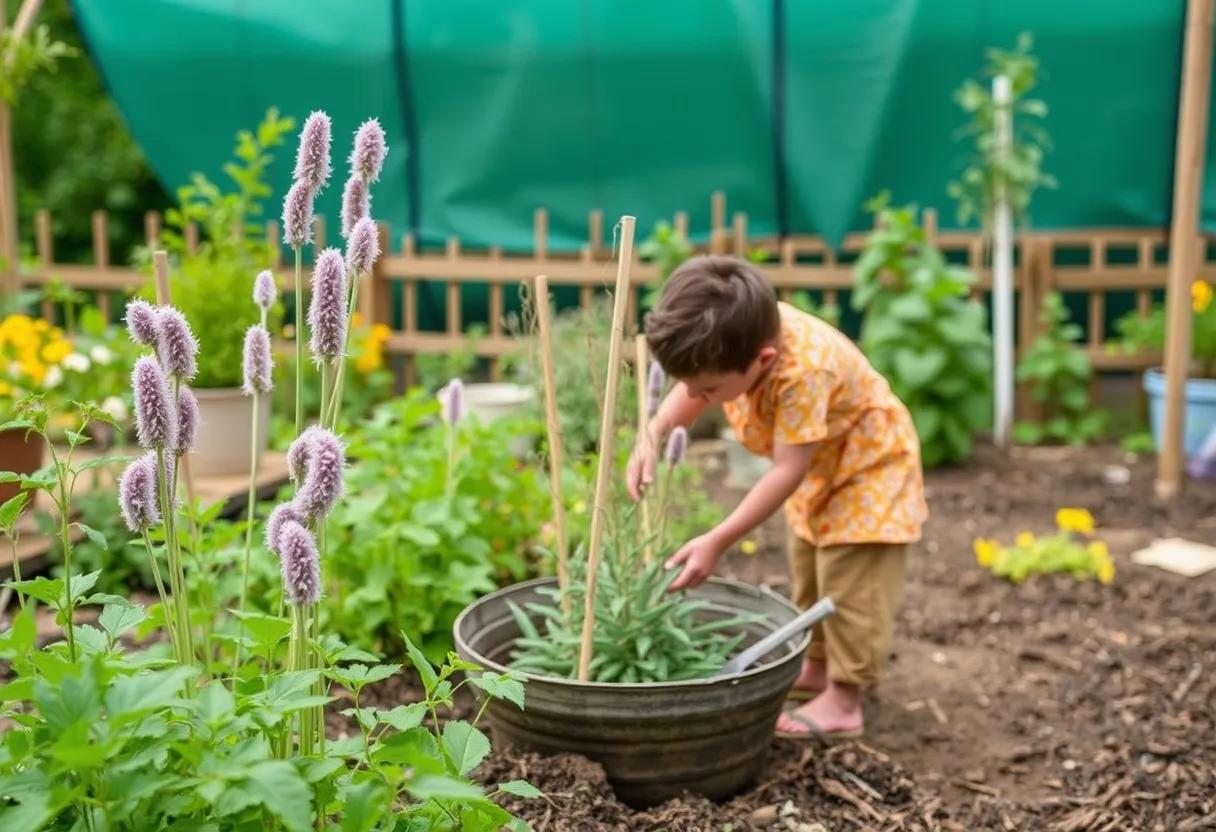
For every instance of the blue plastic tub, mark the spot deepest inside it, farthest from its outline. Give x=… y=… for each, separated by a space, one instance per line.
x=1200 y=413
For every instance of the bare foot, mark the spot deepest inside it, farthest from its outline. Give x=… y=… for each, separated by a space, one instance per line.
x=814 y=676
x=836 y=710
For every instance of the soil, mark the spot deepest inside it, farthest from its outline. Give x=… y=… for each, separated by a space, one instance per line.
x=1054 y=705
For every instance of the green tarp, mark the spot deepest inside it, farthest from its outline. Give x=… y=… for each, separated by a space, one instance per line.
x=799 y=111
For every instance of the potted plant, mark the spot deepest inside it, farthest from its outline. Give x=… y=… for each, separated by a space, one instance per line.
x=1147 y=334
x=211 y=285
x=617 y=668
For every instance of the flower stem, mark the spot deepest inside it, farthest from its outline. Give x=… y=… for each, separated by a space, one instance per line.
x=299 y=343
x=12 y=542
x=63 y=503
x=250 y=516
x=164 y=597
x=335 y=403
x=177 y=581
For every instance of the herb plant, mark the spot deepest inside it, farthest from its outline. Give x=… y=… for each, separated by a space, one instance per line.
x=1071 y=550
x=1059 y=374
x=923 y=331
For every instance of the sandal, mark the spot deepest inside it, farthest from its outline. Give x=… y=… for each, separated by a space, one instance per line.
x=816 y=734
x=802 y=694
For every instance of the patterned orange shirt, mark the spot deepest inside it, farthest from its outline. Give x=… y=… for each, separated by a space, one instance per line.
x=864 y=483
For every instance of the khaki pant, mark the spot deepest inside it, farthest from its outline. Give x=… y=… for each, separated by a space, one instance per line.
x=865 y=582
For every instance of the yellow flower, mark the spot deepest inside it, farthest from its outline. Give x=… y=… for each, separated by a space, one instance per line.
x=56 y=351
x=381 y=332
x=1106 y=572
x=356 y=320
x=5 y=388
x=1024 y=540
x=1098 y=551
x=1201 y=295
x=580 y=507
x=986 y=551
x=367 y=362
x=1075 y=520
x=748 y=547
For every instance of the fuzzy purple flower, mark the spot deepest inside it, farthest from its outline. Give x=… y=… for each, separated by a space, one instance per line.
x=452 y=399
x=299 y=452
x=282 y=513
x=187 y=422
x=155 y=412
x=265 y=293
x=677 y=444
x=312 y=157
x=323 y=485
x=142 y=323
x=327 y=312
x=300 y=564
x=654 y=388
x=297 y=215
x=356 y=204
x=367 y=157
x=137 y=494
x=257 y=362
x=178 y=346
x=363 y=247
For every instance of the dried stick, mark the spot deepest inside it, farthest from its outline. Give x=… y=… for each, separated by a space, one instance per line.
x=639 y=377
x=554 y=432
x=604 y=466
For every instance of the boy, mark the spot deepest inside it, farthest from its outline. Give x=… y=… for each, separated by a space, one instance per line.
x=846 y=464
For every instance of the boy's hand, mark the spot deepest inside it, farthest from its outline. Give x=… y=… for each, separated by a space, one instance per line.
x=642 y=462
x=699 y=557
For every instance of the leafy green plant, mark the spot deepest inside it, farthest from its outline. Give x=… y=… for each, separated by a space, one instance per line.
x=435 y=369
x=212 y=285
x=825 y=311
x=1147 y=334
x=1070 y=550
x=1059 y=374
x=667 y=248
x=923 y=331
x=27 y=56
x=989 y=173
x=405 y=555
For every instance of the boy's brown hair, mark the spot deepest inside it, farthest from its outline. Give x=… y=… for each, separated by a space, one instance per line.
x=714 y=316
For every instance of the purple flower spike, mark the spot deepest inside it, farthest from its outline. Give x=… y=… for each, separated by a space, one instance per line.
x=300 y=564
x=297 y=216
x=363 y=247
x=155 y=413
x=327 y=312
x=452 y=398
x=677 y=444
x=137 y=494
x=142 y=323
x=654 y=388
x=265 y=292
x=299 y=452
x=312 y=158
x=274 y=524
x=356 y=204
x=257 y=362
x=187 y=422
x=367 y=158
x=178 y=346
x=323 y=483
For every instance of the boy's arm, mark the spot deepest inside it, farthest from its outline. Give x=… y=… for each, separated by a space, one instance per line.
x=700 y=555
x=677 y=409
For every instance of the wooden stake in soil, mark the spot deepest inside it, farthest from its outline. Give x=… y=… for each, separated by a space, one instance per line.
x=604 y=468
x=554 y=433
x=641 y=378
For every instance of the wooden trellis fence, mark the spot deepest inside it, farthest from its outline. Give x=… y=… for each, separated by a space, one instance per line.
x=1093 y=263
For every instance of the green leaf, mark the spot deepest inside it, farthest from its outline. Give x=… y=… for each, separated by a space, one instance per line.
x=405 y=717
x=465 y=745
x=116 y=619
x=289 y=692
x=419 y=535
x=442 y=787
x=283 y=792
x=363 y=807
x=910 y=307
x=507 y=686
x=266 y=630
x=918 y=368
x=11 y=509
x=132 y=696
x=46 y=590
x=73 y=699
x=928 y=420
x=520 y=788
x=102 y=462
x=421 y=664
x=215 y=703
x=358 y=676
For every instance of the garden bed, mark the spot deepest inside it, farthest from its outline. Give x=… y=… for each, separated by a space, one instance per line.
x=1053 y=705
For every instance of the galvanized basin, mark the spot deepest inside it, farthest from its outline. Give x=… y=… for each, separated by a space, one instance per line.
x=655 y=741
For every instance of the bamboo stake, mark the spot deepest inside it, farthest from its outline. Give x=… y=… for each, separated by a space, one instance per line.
x=555 y=438
x=641 y=378
x=1185 y=245
x=604 y=467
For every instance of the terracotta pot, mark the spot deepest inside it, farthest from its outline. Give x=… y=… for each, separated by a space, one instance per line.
x=19 y=454
x=222 y=446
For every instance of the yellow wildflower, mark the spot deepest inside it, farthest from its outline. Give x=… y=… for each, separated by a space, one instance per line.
x=368 y=361
x=1024 y=540
x=748 y=547
x=1098 y=551
x=1201 y=295
x=1075 y=520
x=986 y=551
x=5 y=388
x=1106 y=572
x=56 y=351
x=356 y=320
x=381 y=332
